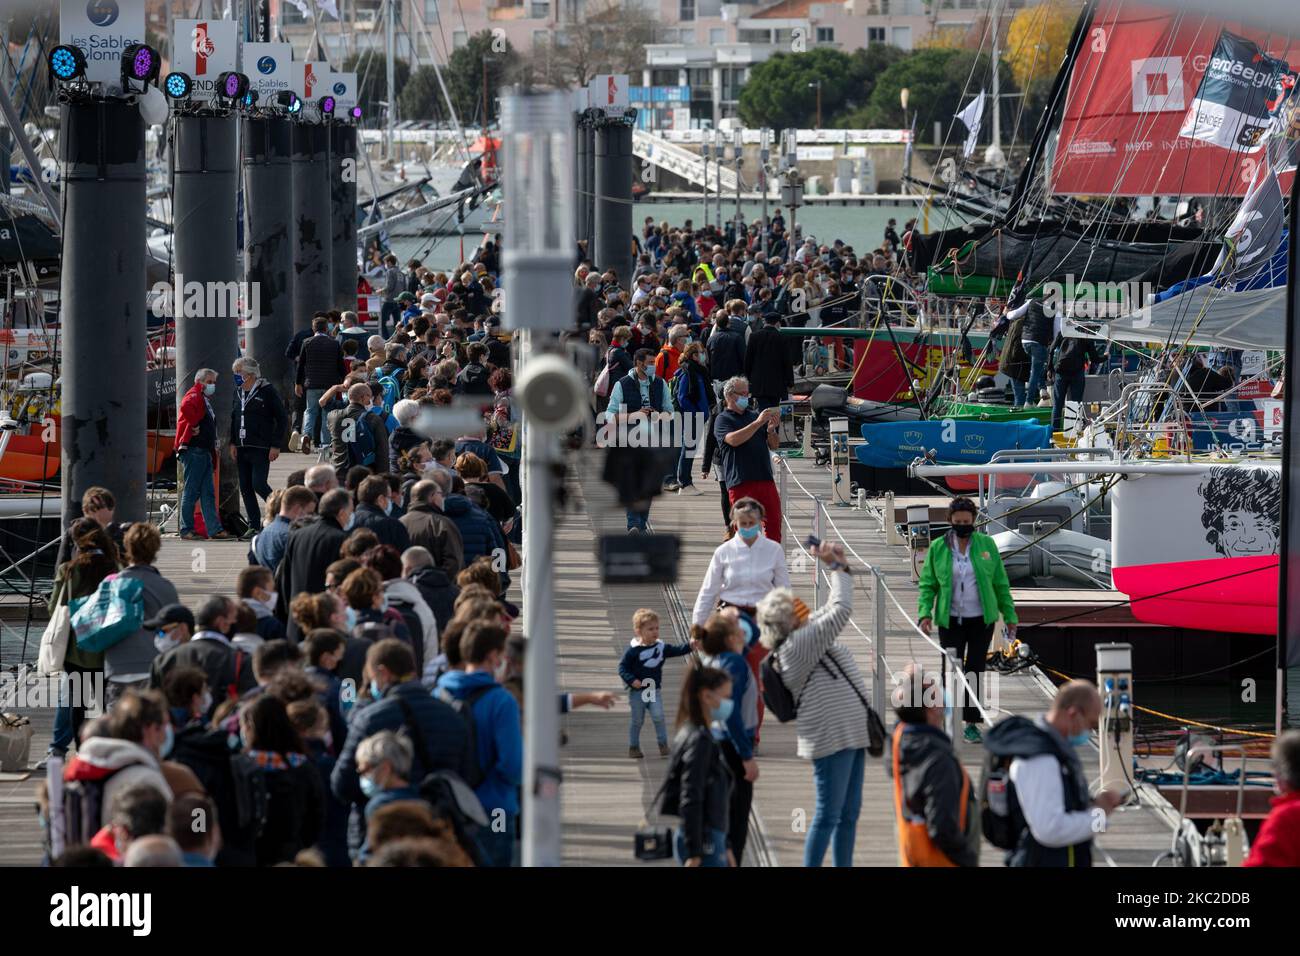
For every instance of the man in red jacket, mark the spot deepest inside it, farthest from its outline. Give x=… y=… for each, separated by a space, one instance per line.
x=1278 y=842
x=196 y=450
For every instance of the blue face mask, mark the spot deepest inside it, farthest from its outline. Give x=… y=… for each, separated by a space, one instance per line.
x=369 y=787
x=352 y=618
x=239 y=380
x=169 y=741
x=742 y=402
x=750 y=533
x=375 y=692
x=1078 y=740
x=164 y=642
x=388 y=508
x=723 y=710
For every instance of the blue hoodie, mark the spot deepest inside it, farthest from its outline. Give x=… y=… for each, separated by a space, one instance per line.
x=499 y=736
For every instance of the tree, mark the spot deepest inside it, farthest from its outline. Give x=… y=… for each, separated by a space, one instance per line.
x=372 y=80
x=611 y=39
x=865 y=66
x=937 y=81
x=1036 y=43
x=782 y=91
x=482 y=57
x=421 y=97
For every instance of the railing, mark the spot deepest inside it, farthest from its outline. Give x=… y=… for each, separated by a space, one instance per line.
x=805 y=512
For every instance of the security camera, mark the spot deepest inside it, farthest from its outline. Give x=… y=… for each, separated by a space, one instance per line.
x=551 y=393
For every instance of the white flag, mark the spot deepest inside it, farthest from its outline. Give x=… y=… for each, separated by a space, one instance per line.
x=302 y=7
x=329 y=6
x=971 y=117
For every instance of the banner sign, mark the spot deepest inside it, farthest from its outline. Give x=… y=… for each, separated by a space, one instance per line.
x=1140 y=73
x=343 y=87
x=204 y=49
x=1239 y=91
x=102 y=29
x=307 y=79
x=269 y=67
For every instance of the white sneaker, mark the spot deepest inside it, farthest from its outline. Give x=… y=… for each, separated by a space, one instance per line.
x=295 y=441
x=689 y=490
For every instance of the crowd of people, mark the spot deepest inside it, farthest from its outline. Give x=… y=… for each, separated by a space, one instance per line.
x=357 y=699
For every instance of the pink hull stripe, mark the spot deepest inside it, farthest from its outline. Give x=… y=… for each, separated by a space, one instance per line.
x=1240 y=596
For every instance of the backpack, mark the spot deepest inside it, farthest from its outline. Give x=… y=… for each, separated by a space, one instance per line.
x=232 y=689
x=1000 y=816
x=83 y=804
x=464 y=706
x=361 y=450
x=252 y=800
x=603 y=382
x=392 y=392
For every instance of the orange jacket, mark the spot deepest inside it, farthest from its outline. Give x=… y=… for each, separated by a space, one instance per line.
x=666 y=363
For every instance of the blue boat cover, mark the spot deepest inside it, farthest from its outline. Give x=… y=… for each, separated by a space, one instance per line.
x=897 y=444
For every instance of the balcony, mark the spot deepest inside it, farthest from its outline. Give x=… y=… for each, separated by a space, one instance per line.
x=679 y=54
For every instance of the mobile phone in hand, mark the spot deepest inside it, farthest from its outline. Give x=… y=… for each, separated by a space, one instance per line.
x=812 y=542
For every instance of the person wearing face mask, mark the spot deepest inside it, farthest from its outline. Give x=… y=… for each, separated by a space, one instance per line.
x=295 y=798
x=258 y=427
x=400 y=701
x=1047 y=788
x=196 y=450
x=384 y=763
x=745 y=442
x=963 y=587
x=374 y=508
x=229 y=671
x=255 y=586
x=308 y=551
x=428 y=527
x=635 y=401
x=699 y=783
x=497 y=732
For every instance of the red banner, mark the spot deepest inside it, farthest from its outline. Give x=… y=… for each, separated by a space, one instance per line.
x=1135 y=78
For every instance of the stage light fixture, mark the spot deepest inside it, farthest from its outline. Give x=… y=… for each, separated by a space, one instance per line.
x=140 y=64
x=250 y=99
x=326 y=104
x=356 y=112
x=67 y=63
x=177 y=85
x=232 y=85
x=288 y=101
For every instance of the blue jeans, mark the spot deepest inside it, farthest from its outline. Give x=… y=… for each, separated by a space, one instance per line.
x=637 y=519
x=313 y=416
x=197 y=465
x=1018 y=391
x=1037 y=371
x=639 y=707
x=1065 y=386
x=838 y=777
x=715 y=847
x=498 y=848
x=67 y=717
x=390 y=309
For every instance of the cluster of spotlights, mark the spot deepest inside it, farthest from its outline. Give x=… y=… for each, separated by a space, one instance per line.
x=141 y=64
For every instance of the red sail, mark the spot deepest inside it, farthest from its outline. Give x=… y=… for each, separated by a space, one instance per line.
x=1135 y=78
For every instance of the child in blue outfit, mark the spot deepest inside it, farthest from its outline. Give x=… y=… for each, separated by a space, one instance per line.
x=642 y=670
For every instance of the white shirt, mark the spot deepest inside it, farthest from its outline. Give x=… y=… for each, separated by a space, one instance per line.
x=741 y=573
x=965 y=589
x=1041 y=791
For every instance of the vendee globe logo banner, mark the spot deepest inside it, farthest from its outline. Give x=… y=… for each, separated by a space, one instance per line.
x=102 y=29
x=269 y=67
x=204 y=49
x=1238 y=92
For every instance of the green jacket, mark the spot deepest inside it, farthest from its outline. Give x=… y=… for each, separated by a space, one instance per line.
x=934 y=590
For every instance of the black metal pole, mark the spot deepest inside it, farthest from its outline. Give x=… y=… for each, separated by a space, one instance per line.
x=343 y=208
x=268 y=247
x=589 y=195
x=580 y=184
x=614 y=202
x=312 y=253
x=1288 y=611
x=102 y=292
x=206 y=273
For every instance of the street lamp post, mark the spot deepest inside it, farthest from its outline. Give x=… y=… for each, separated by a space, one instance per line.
x=705 y=148
x=765 y=136
x=738 y=141
x=903 y=96
x=536 y=144
x=719 y=144
x=818 y=84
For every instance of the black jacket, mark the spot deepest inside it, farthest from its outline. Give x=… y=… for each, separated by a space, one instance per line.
x=587 y=304
x=218 y=661
x=438 y=592
x=443 y=729
x=320 y=363
x=1069 y=355
x=339 y=449
x=473 y=380
x=619 y=362
x=262 y=422
x=389 y=530
x=1039 y=326
x=295 y=813
x=207 y=753
x=932 y=784
x=726 y=353
x=402 y=439
x=307 y=553
x=767 y=363
x=498 y=351
x=698 y=789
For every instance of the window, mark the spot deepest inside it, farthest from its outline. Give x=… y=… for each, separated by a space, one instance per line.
x=699 y=78
x=686 y=36
x=875 y=34
x=686 y=11
x=431 y=10
x=755 y=36
x=459 y=38
x=902 y=37
x=717 y=35
x=733 y=78
x=825 y=34
x=664 y=77
x=968 y=4
x=541 y=38
x=539 y=9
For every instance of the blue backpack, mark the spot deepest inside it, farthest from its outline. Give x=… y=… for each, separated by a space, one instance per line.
x=392 y=393
x=361 y=450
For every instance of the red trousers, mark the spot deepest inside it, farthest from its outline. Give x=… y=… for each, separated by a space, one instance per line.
x=765 y=493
